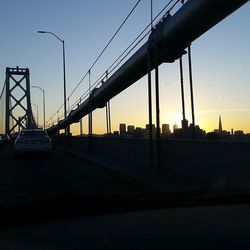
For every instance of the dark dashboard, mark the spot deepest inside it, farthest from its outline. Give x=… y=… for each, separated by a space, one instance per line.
x=207 y=225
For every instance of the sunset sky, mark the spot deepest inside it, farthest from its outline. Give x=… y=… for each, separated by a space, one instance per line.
x=221 y=61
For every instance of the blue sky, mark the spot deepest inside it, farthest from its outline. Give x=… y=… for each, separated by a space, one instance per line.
x=221 y=59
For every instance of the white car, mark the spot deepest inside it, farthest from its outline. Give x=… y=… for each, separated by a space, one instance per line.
x=33 y=140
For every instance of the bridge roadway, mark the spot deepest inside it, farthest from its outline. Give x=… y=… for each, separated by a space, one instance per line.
x=39 y=177
x=70 y=172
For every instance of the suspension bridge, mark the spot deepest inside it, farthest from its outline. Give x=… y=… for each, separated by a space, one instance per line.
x=168 y=40
x=148 y=193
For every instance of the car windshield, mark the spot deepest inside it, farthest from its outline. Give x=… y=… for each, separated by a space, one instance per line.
x=139 y=101
x=33 y=133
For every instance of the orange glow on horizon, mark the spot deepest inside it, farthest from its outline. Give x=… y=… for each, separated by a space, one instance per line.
x=207 y=121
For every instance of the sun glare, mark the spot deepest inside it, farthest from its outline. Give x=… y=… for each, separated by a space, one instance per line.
x=172 y=118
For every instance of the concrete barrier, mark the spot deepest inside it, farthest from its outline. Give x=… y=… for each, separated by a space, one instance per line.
x=196 y=158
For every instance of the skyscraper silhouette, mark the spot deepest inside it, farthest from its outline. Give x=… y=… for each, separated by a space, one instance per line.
x=220 y=125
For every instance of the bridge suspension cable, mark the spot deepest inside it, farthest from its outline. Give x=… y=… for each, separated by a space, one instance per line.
x=102 y=52
x=131 y=44
x=144 y=33
x=109 y=42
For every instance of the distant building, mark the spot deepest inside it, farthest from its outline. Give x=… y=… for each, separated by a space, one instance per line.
x=153 y=129
x=212 y=136
x=116 y=133
x=199 y=133
x=138 y=133
x=122 y=129
x=165 y=130
x=239 y=134
x=219 y=129
x=175 y=127
x=184 y=123
x=189 y=132
x=222 y=134
x=131 y=129
x=220 y=125
x=148 y=126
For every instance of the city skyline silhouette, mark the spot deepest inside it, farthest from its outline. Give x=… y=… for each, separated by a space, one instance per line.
x=220 y=78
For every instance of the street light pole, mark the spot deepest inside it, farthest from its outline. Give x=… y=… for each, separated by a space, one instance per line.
x=64 y=71
x=64 y=81
x=43 y=104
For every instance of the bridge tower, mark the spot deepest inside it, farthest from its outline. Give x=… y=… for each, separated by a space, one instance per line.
x=18 y=103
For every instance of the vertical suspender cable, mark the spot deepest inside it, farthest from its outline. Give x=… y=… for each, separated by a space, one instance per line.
x=184 y=123
x=80 y=121
x=107 y=119
x=109 y=112
x=151 y=155
x=90 y=112
x=182 y=91
x=90 y=115
x=81 y=132
x=191 y=88
x=108 y=116
x=89 y=82
x=58 y=132
x=157 y=106
x=68 y=134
